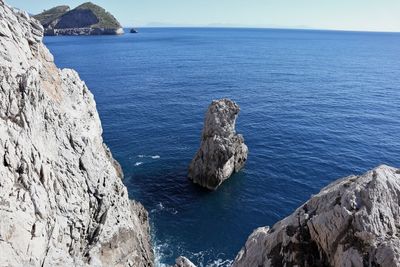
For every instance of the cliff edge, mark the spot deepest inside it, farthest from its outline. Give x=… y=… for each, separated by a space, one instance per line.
x=355 y=221
x=62 y=200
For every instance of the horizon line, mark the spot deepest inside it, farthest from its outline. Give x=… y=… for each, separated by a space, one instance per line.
x=256 y=27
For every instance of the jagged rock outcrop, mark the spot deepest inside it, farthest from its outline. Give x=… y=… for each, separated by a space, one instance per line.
x=354 y=221
x=86 y=19
x=183 y=262
x=222 y=152
x=62 y=200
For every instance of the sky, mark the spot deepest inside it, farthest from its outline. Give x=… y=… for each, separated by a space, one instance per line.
x=364 y=15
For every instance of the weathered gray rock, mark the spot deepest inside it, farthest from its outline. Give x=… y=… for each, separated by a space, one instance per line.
x=62 y=201
x=183 y=262
x=352 y=222
x=222 y=152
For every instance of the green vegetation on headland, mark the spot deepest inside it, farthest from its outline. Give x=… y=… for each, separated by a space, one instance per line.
x=86 y=19
x=47 y=16
x=106 y=19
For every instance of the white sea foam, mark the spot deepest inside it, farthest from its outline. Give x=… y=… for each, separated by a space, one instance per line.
x=162 y=250
x=161 y=207
x=174 y=211
x=158 y=254
x=149 y=156
x=220 y=263
x=138 y=163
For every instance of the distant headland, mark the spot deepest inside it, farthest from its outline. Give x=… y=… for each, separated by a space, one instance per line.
x=86 y=19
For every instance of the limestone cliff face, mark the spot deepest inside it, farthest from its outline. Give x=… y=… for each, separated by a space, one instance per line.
x=62 y=201
x=222 y=152
x=354 y=221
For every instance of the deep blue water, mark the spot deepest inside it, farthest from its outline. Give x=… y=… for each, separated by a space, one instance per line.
x=316 y=106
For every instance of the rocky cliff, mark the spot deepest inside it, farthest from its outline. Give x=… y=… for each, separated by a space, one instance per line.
x=222 y=152
x=86 y=19
x=183 y=262
x=354 y=221
x=62 y=201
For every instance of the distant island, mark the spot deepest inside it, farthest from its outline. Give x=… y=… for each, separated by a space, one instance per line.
x=86 y=19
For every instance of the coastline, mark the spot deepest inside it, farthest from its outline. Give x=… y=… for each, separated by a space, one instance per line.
x=282 y=174
x=85 y=166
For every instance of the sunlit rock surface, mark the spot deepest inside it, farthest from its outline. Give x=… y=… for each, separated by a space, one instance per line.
x=352 y=222
x=62 y=200
x=222 y=151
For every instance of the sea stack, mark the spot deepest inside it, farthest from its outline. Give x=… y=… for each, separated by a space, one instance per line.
x=62 y=199
x=133 y=30
x=222 y=151
x=86 y=19
x=355 y=221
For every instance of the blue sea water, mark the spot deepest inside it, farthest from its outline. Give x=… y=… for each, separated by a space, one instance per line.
x=315 y=106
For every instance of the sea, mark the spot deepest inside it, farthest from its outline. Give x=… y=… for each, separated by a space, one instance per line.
x=315 y=106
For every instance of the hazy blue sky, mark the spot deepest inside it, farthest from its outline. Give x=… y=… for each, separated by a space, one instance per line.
x=375 y=15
